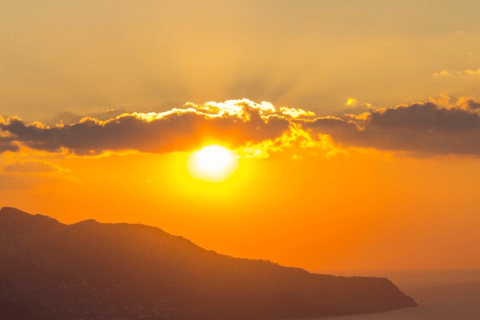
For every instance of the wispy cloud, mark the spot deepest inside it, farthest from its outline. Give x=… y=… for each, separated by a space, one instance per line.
x=32 y=167
x=452 y=73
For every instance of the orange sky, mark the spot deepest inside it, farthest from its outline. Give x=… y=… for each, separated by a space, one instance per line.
x=314 y=204
x=365 y=155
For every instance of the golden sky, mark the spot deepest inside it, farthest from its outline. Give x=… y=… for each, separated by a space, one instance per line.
x=353 y=125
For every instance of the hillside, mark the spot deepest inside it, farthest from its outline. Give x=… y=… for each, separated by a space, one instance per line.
x=92 y=270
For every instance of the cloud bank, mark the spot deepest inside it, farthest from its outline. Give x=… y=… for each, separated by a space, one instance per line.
x=233 y=123
x=434 y=127
x=424 y=128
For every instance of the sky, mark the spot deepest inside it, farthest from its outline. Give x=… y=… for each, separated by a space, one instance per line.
x=354 y=125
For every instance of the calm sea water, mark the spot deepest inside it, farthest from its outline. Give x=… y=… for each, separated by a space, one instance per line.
x=441 y=295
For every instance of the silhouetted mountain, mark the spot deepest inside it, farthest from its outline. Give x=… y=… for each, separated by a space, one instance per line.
x=14 y=305
x=92 y=270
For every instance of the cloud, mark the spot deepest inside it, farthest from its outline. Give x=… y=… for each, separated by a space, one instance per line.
x=6 y=145
x=473 y=72
x=467 y=103
x=296 y=113
x=31 y=167
x=351 y=102
x=233 y=122
x=443 y=73
x=435 y=127
x=25 y=174
x=296 y=143
x=6 y=140
x=449 y=73
x=419 y=128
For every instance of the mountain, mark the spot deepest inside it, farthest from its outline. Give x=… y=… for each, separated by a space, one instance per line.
x=14 y=305
x=92 y=270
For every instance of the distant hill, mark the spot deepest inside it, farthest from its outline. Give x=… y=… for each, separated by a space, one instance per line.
x=92 y=270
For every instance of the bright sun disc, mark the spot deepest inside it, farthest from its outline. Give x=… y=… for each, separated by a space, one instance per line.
x=212 y=163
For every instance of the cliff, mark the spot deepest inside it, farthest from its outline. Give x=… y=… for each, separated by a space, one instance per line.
x=122 y=271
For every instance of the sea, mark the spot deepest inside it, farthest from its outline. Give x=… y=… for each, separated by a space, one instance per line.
x=440 y=294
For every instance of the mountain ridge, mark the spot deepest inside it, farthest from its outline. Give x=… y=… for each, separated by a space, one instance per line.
x=131 y=271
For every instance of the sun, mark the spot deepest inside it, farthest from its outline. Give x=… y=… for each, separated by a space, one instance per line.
x=212 y=163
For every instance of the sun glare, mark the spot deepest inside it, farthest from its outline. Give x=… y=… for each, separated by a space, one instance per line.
x=212 y=163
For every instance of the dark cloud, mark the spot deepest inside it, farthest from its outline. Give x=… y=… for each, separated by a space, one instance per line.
x=7 y=141
x=420 y=127
x=7 y=146
x=426 y=117
x=173 y=131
